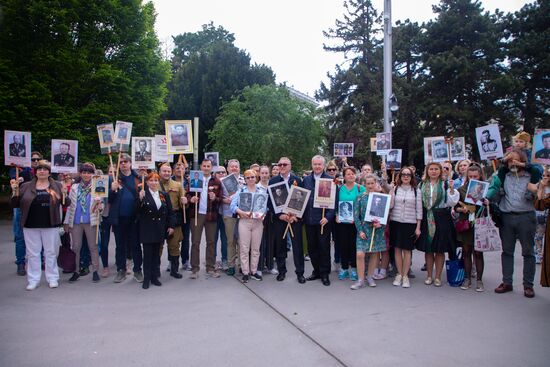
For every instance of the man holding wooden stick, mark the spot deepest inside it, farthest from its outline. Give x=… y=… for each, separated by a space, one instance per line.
x=280 y=223
x=206 y=217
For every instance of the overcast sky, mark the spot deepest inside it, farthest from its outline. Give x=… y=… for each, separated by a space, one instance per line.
x=286 y=34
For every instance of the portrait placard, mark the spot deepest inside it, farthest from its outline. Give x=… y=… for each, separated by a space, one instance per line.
x=296 y=201
x=428 y=148
x=378 y=207
x=440 y=150
x=393 y=159
x=489 y=143
x=541 y=147
x=383 y=143
x=161 y=149
x=231 y=184
x=345 y=211
x=458 y=149
x=278 y=193
x=214 y=157
x=325 y=193
x=179 y=136
x=100 y=186
x=245 y=201
x=64 y=156
x=476 y=192
x=259 y=205
x=143 y=152
x=343 y=149
x=17 y=148
x=196 y=179
x=106 y=134
x=123 y=133
x=373 y=145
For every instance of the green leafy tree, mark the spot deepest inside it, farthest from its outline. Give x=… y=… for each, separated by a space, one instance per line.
x=528 y=49
x=266 y=123
x=67 y=66
x=210 y=70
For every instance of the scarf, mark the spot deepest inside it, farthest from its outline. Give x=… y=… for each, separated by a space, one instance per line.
x=436 y=199
x=83 y=192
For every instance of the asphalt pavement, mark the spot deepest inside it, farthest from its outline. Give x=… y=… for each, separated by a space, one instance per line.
x=226 y=323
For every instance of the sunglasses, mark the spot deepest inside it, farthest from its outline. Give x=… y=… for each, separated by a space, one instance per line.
x=35 y=159
x=250 y=178
x=282 y=164
x=331 y=169
x=406 y=175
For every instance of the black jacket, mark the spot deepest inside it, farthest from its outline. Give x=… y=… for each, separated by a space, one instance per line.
x=153 y=222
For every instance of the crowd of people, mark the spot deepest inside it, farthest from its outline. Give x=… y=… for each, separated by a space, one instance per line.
x=145 y=209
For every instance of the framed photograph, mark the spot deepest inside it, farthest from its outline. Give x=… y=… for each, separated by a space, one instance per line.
x=458 y=149
x=100 y=186
x=343 y=149
x=296 y=201
x=345 y=211
x=378 y=207
x=17 y=148
x=373 y=145
x=123 y=133
x=259 y=205
x=196 y=179
x=440 y=150
x=393 y=159
x=428 y=148
x=214 y=157
x=278 y=193
x=143 y=149
x=179 y=136
x=541 y=147
x=325 y=193
x=106 y=134
x=231 y=184
x=245 y=201
x=64 y=156
x=489 y=143
x=476 y=192
x=383 y=142
x=161 y=150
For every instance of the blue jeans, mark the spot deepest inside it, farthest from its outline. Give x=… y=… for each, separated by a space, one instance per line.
x=127 y=237
x=220 y=232
x=185 y=242
x=18 y=237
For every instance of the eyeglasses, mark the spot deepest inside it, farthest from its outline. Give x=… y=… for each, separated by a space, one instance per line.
x=446 y=168
x=405 y=175
x=35 y=159
x=331 y=169
x=250 y=178
x=282 y=164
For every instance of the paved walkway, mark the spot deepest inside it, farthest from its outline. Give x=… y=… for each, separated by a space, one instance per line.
x=225 y=323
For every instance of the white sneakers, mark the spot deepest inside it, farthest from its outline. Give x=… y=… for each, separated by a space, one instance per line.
x=53 y=284
x=397 y=281
x=406 y=282
x=402 y=281
x=32 y=286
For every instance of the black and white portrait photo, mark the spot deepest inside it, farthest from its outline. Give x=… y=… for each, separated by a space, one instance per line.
x=106 y=134
x=64 y=156
x=489 y=142
x=230 y=183
x=259 y=205
x=142 y=149
x=278 y=193
x=383 y=141
x=179 y=136
x=17 y=148
x=297 y=201
x=213 y=157
x=123 y=133
x=245 y=201
x=440 y=150
x=343 y=149
x=345 y=211
x=378 y=207
x=393 y=159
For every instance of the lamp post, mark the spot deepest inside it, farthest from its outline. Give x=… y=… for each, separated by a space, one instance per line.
x=388 y=94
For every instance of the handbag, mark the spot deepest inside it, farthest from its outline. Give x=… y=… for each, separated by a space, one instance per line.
x=66 y=259
x=486 y=234
x=455 y=270
x=462 y=225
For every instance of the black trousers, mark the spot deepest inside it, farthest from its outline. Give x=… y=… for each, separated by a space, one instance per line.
x=127 y=236
x=346 y=235
x=318 y=246
x=151 y=261
x=280 y=246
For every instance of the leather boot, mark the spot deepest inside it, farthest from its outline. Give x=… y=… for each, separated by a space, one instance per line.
x=174 y=266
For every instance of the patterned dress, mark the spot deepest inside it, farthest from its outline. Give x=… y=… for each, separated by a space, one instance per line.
x=359 y=211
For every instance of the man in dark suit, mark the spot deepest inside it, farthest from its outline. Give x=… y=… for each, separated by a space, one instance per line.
x=143 y=155
x=17 y=149
x=318 y=243
x=280 y=222
x=63 y=158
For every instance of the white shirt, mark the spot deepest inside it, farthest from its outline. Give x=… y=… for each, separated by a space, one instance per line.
x=156 y=197
x=203 y=203
x=317 y=176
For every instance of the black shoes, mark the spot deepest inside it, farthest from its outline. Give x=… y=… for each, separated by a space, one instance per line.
x=281 y=277
x=21 y=270
x=74 y=278
x=95 y=277
x=145 y=284
x=301 y=279
x=156 y=282
x=245 y=278
x=84 y=271
x=325 y=280
x=174 y=266
x=313 y=276
x=256 y=276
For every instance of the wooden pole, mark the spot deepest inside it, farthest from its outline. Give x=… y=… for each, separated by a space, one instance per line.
x=196 y=209
x=286 y=230
x=97 y=228
x=372 y=239
x=118 y=163
x=323 y=226
x=17 y=180
x=183 y=205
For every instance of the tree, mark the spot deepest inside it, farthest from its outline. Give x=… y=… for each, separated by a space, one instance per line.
x=465 y=77
x=354 y=96
x=265 y=123
x=528 y=46
x=66 y=67
x=211 y=71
